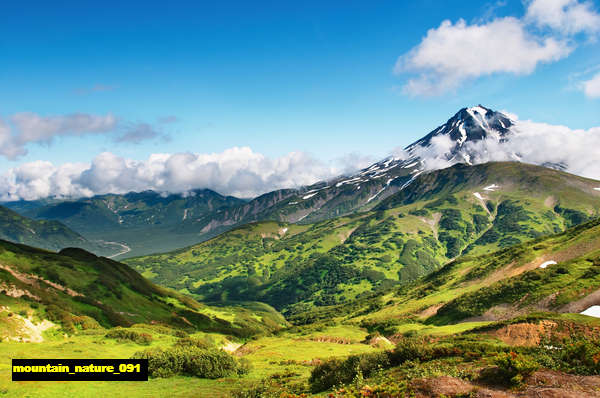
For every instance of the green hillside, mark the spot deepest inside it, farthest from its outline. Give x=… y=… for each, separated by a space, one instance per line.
x=46 y=234
x=135 y=223
x=78 y=290
x=440 y=216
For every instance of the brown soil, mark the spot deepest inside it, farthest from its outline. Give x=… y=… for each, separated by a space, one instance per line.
x=30 y=279
x=532 y=334
x=525 y=334
x=550 y=202
x=332 y=339
x=582 y=304
x=542 y=384
x=247 y=350
x=430 y=311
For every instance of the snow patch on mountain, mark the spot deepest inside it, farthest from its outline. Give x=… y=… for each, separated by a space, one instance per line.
x=491 y=188
x=310 y=195
x=547 y=263
x=594 y=311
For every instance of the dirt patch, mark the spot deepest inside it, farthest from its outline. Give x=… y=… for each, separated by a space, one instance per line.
x=550 y=202
x=30 y=279
x=430 y=311
x=433 y=222
x=247 y=350
x=25 y=329
x=380 y=342
x=582 y=304
x=331 y=339
x=13 y=291
x=345 y=235
x=446 y=386
x=549 y=383
x=542 y=384
x=525 y=334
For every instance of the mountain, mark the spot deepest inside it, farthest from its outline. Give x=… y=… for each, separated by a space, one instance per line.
x=46 y=234
x=442 y=215
x=79 y=291
x=135 y=220
x=364 y=189
x=558 y=273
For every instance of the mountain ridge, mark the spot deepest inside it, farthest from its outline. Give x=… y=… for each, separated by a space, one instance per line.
x=131 y=222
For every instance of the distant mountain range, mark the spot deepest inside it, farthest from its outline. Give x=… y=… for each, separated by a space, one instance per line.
x=150 y=222
x=441 y=215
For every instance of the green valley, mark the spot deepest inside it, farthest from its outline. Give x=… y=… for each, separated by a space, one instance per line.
x=462 y=210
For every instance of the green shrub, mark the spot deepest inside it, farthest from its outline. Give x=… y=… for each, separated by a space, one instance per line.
x=581 y=356
x=513 y=368
x=410 y=349
x=191 y=361
x=131 y=335
x=337 y=372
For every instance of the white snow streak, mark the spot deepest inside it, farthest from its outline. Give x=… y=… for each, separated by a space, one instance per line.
x=547 y=263
x=594 y=311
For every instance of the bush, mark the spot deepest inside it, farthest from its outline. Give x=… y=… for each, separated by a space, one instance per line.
x=191 y=361
x=336 y=371
x=411 y=349
x=513 y=368
x=581 y=357
x=131 y=335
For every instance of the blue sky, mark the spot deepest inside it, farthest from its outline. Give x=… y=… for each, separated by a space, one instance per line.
x=316 y=77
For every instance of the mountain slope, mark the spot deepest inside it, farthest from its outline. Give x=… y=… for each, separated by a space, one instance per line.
x=363 y=190
x=46 y=234
x=79 y=290
x=141 y=222
x=560 y=273
x=443 y=214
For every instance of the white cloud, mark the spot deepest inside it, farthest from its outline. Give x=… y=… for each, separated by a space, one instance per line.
x=577 y=151
x=235 y=171
x=565 y=16
x=26 y=127
x=35 y=128
x=453 y=53
x=540 y=143
x=241 y=172
x=591 y=88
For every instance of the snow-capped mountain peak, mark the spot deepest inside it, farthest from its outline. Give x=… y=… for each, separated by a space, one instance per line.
x=468 y=125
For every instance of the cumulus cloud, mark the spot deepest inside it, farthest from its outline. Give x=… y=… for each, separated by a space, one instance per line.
x=353 y=162
x=457 y=52
x=566 y=16
x=453 y=53
x=236 y=171
x=540 y=143
x=577 y=151
x=242 y=172
x=591 y=88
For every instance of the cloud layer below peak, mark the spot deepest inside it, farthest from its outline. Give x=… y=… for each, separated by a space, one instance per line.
x=242 y=172
x=236 y=171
